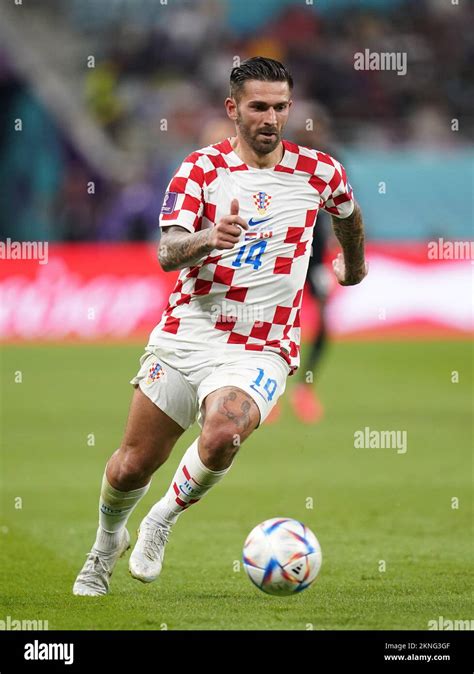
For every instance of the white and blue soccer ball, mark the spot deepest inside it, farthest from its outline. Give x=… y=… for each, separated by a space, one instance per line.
x=282 y=556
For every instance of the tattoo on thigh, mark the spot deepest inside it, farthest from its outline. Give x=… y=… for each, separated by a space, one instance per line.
x=227 y=406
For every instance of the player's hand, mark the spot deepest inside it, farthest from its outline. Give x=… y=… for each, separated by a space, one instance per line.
x=227 y=232
x=348 y=277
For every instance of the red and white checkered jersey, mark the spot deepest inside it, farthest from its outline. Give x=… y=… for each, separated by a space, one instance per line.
x=249 y=297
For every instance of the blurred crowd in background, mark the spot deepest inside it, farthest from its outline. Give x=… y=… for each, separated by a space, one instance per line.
x=114 y=94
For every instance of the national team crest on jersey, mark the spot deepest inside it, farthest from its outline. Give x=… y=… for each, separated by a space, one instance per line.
x=154 y=373
x=262 y=202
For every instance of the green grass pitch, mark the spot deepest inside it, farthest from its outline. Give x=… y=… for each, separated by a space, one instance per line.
x=369 y=505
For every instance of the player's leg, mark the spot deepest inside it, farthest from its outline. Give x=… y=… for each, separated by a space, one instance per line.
x=304 y=398
x=228 y=414
x=320 y=341
x=149 y=437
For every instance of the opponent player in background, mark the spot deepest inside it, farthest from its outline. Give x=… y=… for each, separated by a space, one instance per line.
x=304 y=400
x=237 y=220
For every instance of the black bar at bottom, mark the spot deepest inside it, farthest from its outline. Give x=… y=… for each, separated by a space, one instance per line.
x=313 y=650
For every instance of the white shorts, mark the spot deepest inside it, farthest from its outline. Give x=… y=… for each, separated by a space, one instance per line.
x=178 y=381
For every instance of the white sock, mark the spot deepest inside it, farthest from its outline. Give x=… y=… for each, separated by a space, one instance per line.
x=115 y=507
x=190 y=483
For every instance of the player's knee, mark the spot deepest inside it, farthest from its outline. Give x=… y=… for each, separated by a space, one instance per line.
x=132 y=467
x=218 y=444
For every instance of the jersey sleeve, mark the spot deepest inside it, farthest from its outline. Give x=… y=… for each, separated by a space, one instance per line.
x=337 y=197
x=184 y=199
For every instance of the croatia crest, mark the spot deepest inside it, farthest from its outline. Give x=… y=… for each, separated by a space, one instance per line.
x=154 y=373
x=262 y=202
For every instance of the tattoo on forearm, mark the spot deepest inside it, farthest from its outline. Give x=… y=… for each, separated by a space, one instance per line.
x=350 y=234
x=179 y=250
x=227 y=407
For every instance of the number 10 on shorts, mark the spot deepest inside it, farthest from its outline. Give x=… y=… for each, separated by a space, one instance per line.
x=269 y=387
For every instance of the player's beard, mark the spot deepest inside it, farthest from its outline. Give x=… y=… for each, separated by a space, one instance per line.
x=259 y=144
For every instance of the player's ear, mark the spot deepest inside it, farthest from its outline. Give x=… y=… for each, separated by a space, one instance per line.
x=231 y=108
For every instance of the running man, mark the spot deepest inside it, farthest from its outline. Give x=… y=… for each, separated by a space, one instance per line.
x=237 y=220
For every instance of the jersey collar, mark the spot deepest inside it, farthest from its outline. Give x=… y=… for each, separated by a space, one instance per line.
x=234 y=160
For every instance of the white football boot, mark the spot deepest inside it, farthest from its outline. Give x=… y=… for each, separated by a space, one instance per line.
x=146 y=559
x=93 y=579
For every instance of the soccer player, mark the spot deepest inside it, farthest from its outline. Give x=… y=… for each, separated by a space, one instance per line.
x=237 y=220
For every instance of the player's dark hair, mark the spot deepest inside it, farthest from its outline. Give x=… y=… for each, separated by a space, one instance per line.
x=258 y=68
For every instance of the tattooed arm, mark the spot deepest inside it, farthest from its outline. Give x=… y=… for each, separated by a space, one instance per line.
x=179 y=248
x=350 y=266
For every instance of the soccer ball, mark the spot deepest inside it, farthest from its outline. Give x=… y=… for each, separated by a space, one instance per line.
x=281 y=556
